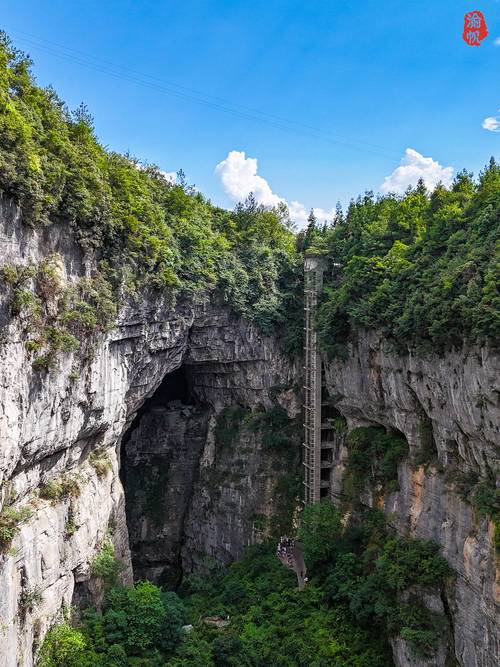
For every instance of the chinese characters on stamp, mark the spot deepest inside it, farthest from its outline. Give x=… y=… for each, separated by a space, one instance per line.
x=475 y=29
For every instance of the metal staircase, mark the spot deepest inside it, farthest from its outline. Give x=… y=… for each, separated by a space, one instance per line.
x=316 y=467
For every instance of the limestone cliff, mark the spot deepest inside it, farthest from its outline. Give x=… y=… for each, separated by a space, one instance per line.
x=51 y=422
x=142 y=407
x=448 y=408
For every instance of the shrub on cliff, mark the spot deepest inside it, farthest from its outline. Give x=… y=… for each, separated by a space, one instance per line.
x=65 y=646
x=10 y=522
x=373 y=458
x=66 y=486
x=105 y=565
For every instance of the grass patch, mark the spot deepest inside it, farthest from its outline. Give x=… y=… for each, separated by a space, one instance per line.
x=100 y=461
x=10 y=521
x=64 y=487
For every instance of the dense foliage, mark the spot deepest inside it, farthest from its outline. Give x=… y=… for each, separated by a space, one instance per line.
x=421 y=268
x=373 y=457
x=145 y=229
x=139 y=626
x=365 y=585
x=380 y=577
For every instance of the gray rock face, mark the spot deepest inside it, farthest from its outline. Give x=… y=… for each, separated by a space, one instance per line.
x=194 y=500
x=244 y=493
x=453 y=402
x=218 y=499
x=159 y=465
x=50 y=422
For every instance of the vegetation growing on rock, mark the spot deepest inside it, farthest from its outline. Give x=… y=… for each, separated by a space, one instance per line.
x=373 y=457
x=99 y=459
x=11 y=519
x=105 y=565
x=66 y=486
x=365 y=586
x=143 y=229
x=486 y=500
x=57 y=317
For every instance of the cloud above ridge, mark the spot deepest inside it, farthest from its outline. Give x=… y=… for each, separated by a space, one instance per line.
x=414 y=166
x=239 y=177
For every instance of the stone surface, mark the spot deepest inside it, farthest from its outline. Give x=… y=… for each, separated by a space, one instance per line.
x=456 y=399
x=160 y=462
x=241 y=496
x=50 y=422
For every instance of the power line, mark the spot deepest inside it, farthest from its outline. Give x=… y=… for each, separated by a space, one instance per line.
x=192 y=95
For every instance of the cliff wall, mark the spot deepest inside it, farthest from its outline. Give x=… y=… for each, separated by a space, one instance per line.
x=202 y=472
x=66 y=424
x=448 y=408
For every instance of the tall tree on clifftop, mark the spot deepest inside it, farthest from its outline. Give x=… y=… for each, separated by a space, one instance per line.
x=310 y=231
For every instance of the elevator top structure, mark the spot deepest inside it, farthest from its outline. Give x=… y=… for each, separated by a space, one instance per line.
x=314 y=267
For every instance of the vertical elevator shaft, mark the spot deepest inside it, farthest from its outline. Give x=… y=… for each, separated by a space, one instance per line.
x=314 y=460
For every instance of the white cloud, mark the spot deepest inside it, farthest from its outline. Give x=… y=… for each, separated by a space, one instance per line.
x=492 y=123
x=299 y=213
x=239 y=177
x=496 y=42
x=414 y=166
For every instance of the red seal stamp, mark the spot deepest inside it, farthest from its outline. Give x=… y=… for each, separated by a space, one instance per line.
x=475 y=29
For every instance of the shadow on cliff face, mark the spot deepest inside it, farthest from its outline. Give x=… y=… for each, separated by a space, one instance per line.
x=160 y=453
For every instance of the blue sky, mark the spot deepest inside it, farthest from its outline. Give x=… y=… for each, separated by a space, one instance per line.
x=371 y=78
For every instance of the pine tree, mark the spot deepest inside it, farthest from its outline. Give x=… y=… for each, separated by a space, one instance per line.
x=310 y=231
x=338 y=218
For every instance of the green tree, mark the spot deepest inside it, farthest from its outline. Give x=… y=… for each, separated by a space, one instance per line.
x=320 y=527
x=142 y=618
x=310 y=230
x=65 y=646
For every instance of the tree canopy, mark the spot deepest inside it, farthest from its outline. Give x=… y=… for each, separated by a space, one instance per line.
x=144 y=229
x=422 y=268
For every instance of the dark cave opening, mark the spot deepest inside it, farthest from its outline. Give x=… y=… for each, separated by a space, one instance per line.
x=173 y=387
x=160 y=452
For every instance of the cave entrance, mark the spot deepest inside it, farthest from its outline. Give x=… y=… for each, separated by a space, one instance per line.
x=159 y=465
